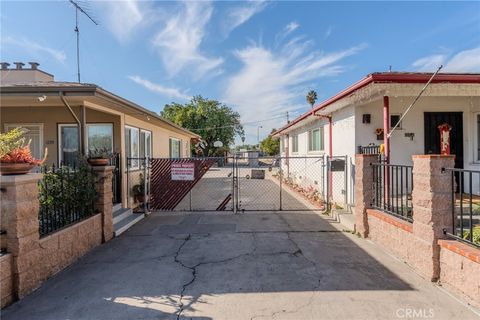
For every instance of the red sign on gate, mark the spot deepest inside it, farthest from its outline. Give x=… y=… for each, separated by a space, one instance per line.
x=183 y=171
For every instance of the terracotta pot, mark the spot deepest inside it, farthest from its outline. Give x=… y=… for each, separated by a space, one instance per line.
x=98 y=162
x=15 y=168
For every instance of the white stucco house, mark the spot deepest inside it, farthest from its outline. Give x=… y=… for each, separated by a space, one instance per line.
x=354 y=118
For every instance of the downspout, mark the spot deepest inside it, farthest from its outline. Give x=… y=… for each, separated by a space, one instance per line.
x=80 y=140
x=386 y=127
x=330 y=144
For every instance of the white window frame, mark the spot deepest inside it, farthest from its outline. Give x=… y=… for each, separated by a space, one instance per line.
x=98 y=124
x=321 y=140
x=149 y=133
x=170 y=147
x=295 y=143
x=134 y=165
x=10 y=126
x=476 y=141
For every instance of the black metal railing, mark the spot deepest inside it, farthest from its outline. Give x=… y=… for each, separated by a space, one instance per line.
x=116 y=179
x=392 y=189
x=465 y=206
x=369 y=149
x=66 y=196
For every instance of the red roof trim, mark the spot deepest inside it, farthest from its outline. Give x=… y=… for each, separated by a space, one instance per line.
x=388 y=77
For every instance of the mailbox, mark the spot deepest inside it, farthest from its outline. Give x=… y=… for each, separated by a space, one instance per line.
x=337 y=165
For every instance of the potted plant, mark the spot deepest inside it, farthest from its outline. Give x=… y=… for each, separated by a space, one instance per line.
x=15 y=155
x=99 y=156
x=138 y=190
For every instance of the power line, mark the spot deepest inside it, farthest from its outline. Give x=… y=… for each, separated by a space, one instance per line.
x=234 y=125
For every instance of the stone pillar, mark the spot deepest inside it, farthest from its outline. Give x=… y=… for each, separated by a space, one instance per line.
x=363 y=191
x=103 y=203
x=19 y=218
x=431 y=198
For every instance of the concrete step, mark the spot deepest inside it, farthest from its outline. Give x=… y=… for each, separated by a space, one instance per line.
x=121 y=214
x=117 y=207
x=125 y=224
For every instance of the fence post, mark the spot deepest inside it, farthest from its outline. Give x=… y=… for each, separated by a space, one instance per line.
x=363 y=191
x=103 y=202
x=431 y=199
x=19 y=218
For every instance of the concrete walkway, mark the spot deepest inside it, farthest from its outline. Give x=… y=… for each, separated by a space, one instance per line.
x=247 y=266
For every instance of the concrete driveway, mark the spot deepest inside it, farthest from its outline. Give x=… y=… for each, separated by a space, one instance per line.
x=247 y=266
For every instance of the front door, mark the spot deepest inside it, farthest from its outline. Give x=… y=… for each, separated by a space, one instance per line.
x=432 y=134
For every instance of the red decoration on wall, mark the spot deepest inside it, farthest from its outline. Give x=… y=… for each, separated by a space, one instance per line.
x=444 y=138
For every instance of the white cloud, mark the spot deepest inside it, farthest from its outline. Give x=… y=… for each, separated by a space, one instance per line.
x=157 y=88
x=237 y=16
x=179 y=41
x=124 y=17
x=292 y=26
x=463 y=61
x=271 y=83
x=429 y=63
x=328 y=32
x=34 y=48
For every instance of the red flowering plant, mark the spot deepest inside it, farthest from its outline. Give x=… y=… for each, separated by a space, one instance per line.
x=14 y=150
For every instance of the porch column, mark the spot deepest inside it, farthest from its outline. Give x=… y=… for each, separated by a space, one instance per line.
x=363 y=191
x=103 y=203
x=431 y=199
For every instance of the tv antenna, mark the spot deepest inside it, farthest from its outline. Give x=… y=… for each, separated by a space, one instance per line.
x=77 y=31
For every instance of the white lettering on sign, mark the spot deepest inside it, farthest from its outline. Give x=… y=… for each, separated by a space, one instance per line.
x=183 y=171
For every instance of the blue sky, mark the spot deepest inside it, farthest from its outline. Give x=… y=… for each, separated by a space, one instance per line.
x=258 y=57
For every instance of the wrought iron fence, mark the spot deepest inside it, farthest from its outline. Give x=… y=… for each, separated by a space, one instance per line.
x=66 y=196
x=116 y=179
x=392 y=189
x=465 y=205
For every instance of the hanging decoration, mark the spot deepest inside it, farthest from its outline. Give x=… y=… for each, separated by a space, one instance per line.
x=444 y=129
x=379 y=133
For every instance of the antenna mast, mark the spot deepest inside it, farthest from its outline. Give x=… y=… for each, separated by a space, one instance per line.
x=77 y=31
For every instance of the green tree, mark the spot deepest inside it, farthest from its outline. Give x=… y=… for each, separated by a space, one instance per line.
x=270 y=145
x=211 y=119
x=311 y=97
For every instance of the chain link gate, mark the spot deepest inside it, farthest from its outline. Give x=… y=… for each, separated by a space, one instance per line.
x=250 y=183
x=279 y=183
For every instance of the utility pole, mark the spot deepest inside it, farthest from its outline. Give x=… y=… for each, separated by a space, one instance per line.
x=77 y=31
x=288 y=118
x=258 y=135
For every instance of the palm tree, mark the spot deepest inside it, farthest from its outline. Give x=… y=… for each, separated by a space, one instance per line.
x=311 y=97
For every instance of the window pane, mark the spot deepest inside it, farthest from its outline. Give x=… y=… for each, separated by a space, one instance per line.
x=100 y=136
x=128 y=150
x=478 y=136
x=142 y=144
x=322 y=140
x=134 y=137
x=69 y=145
x=148 y=144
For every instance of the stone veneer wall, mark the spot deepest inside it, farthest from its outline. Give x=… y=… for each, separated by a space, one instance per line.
x=32 y=259
x=392 y=233
x=421 y=244
x=460 y=269
x=62 y=248
x=6 y=280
